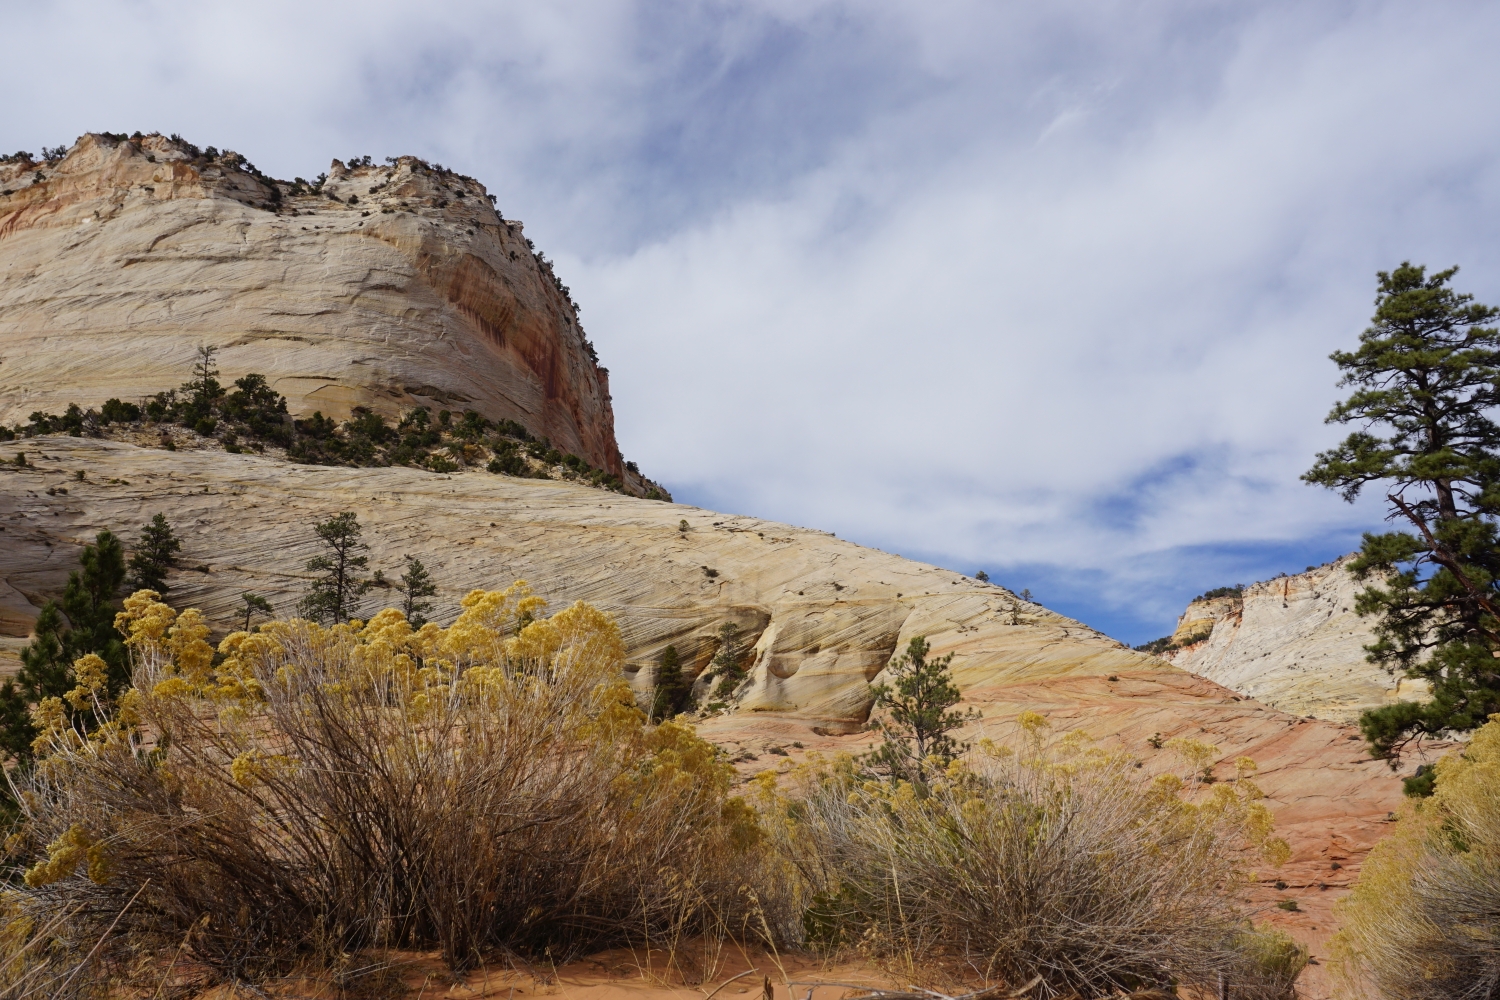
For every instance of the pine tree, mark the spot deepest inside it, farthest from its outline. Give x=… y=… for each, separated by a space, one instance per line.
x=89 y=602
x=415 y=587
x=918 y=722
x=334 y=596
x=726 y=662
x=47 y=661
x=16 y=729
x=1427 y=376
x=670 y=693
x=254 y=603
x=154 y=554
x=204 y=389
x=44 y=673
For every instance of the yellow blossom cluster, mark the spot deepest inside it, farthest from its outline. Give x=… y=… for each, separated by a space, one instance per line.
x=65 y=854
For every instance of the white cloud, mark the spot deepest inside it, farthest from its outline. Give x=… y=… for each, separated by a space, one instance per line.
x=1040 y=287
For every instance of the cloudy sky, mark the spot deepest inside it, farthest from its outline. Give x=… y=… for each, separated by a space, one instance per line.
x=1044 y=289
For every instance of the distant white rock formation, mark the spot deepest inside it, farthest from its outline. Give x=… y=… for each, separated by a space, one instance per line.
x=1292 y=643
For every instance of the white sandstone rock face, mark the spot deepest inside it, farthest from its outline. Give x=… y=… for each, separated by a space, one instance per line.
x=1293 y=643
x=393 y=286
x=821 y=616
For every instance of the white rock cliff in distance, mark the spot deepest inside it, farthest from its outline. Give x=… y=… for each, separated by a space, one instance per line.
x=392 y=286
x=1293 y=643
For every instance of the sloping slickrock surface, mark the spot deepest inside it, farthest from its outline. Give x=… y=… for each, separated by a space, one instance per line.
x=1293 y=643
x=393 y=286
x=823 y=615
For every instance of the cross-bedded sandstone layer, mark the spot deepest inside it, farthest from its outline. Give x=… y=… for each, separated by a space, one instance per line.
x=821 y=615
x=390 y=286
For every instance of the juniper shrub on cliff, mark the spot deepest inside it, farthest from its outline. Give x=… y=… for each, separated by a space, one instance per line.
x=254 y=415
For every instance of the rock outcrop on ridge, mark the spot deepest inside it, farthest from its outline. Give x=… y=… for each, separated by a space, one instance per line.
x=389 y=286
x=1292 y=643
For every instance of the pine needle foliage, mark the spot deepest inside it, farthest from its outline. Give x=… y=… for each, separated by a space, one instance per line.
x=154 y=555
x=1426 y=380
x=918 y=703
x=254 y=603
x=416 y=587
x=726 y=664
x=669 y=693
x=80 y=627
x=334 y=595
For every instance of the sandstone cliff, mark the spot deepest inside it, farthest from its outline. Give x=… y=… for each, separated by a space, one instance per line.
x=823 y=615
x=1293 y=643
x=390 y=286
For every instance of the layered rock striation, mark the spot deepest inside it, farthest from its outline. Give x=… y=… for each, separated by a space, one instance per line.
x=1293 y=643
x=819 y=617
x=383 y=286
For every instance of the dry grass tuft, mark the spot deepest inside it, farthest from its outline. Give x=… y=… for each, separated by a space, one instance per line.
x=323 y=791
x=1047 y=858
x=1423 y=921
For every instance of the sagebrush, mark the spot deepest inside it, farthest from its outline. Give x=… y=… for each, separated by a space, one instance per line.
x=1042 y=858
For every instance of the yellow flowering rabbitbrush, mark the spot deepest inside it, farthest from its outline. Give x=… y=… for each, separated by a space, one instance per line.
x=487 y=785
x=1423 y=920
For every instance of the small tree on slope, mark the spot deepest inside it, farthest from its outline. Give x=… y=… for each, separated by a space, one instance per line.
x=254 y=603
x=334 y=596
x=918 y=701
x=82 y=623
x=416 y=587
x=154 y=554
x=670 y=692
x=1426 y=379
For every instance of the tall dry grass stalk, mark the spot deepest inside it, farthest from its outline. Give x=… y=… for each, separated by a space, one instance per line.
x=1423 y=921
x=489 y=785
x=1045 y=857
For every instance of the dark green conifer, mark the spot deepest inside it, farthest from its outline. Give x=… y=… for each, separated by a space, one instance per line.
x=726 y=662
x=1426 y=380
x=334 y=596
x=415 y=587
x=154 y=554
x=46 y=662
x=917 y=701
x=254 y=603
x=670 y=693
